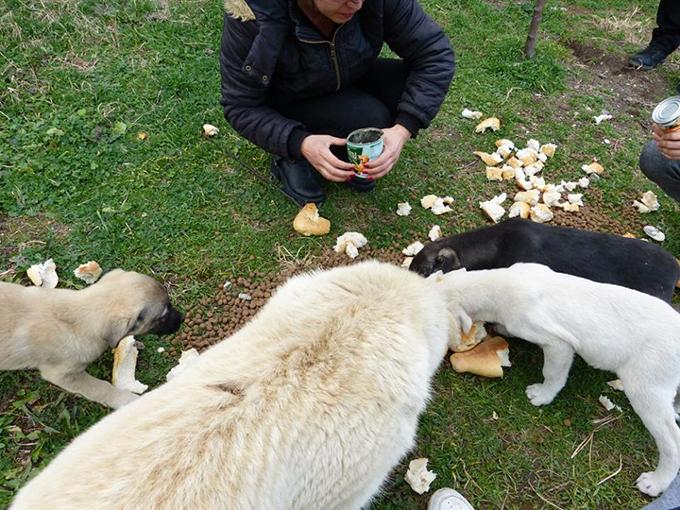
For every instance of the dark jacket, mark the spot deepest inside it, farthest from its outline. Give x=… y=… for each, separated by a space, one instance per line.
x=280 y=57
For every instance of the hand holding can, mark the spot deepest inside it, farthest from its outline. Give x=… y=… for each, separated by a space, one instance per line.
x=666 y=132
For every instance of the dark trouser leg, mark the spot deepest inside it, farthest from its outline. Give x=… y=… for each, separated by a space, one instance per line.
x=667 y=32
x=663 y=171
x=371 y=102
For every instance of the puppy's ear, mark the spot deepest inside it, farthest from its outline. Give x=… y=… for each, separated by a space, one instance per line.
x=118 y=329
x=125 y=326
x=461 y=323
x=447 y=260
x=464 y=320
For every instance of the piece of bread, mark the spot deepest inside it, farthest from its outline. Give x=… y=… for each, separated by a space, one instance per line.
x=486 y=359
x=489 y=159
x=124 y=366
x=43 y=275
x=491 y=123
x=470 y=339
x=88 y=272
x=309 y=223
x=521 y=209
x=418 y=476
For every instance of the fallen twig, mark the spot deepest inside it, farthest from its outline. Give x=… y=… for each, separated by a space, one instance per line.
x=614 y=473
x=544 y=499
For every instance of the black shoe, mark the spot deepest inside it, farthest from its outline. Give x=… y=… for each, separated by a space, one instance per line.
x=361 y=184
x=298 y=180
x=650 y=57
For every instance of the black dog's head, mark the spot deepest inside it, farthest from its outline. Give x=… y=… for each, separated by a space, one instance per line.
x=435 y=257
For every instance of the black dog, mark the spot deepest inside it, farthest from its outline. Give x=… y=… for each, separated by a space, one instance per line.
x=599 y=257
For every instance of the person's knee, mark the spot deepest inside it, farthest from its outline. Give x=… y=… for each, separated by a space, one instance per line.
x=373 y=114
x=652 y=162
x=661 y=170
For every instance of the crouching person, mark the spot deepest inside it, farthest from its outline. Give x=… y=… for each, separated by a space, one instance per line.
x=299 y=75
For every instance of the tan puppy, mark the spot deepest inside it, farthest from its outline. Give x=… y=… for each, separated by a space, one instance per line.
x=307 y=407
x=60 y=331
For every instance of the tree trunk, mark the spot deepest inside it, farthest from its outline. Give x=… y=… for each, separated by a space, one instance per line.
x=530 y=46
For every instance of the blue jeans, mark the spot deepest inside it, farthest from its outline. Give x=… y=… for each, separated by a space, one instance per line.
x=663 y=171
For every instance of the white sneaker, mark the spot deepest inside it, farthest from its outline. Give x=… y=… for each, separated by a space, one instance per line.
x=448 y=499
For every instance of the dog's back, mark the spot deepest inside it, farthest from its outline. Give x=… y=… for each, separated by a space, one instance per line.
x=307 y=407
x=600 y=257
x=22 y=311
x=608 y=325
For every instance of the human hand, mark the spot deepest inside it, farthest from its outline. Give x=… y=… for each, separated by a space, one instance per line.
x=667 y=141
x=316 y=150
x=395 y=138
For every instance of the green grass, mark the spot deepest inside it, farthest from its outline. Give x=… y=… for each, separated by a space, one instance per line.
x=81 y=80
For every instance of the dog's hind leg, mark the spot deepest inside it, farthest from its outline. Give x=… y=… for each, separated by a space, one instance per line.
x=557 y=360
x=89 y=387
x=654 y=405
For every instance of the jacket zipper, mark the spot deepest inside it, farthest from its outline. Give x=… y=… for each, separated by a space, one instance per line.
x=334 y=56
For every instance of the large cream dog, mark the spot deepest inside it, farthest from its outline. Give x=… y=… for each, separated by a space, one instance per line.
x=307 y=407
x=61 y=331
x=613 y=328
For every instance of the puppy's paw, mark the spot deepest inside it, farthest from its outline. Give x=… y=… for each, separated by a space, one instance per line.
x=540 y=394
x=652 y=484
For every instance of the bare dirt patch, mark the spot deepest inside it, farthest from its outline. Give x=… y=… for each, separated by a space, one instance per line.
x=610 y=74
x=19 y=233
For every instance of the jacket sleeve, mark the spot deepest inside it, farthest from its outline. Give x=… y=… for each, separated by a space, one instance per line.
x=412 y=35
x=247 y=61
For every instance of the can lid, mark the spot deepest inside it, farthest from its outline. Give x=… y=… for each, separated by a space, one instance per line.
x=667 y=111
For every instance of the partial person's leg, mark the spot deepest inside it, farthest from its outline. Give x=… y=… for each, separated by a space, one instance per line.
x=667 y=31
x=665 y=37
x=371 y=102
x=338 y=115
x=385 y=80
x=658 y=168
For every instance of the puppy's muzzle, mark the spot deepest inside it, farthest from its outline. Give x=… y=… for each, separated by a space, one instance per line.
x=169 y=323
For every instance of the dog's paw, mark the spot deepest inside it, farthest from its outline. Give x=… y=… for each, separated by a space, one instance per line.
x=539 y=394
x=652 y=484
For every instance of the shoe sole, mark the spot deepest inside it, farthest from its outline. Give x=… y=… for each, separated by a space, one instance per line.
x=276 y=174
x=639 y=65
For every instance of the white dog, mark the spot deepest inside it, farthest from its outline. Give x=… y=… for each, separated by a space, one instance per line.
x=308 y=406
x=613 y=328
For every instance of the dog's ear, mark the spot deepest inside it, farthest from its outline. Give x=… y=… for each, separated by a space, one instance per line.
x=464 y=320
x=446 y=260
x=118 y=329
x=460 y=324
x=125 y=326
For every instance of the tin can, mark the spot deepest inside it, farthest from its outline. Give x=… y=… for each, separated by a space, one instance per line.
x=667 y=113
x=364 y=145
